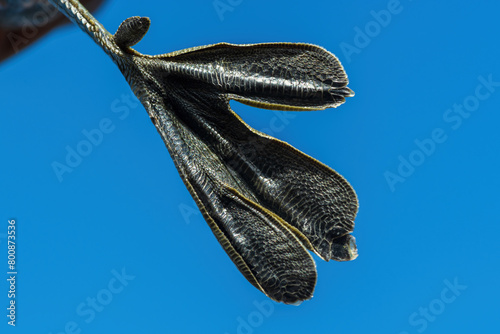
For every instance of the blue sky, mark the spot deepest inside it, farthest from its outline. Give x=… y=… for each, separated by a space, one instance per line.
x=117 y=244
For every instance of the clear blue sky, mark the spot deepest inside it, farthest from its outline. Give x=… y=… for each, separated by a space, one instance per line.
x=418 y=142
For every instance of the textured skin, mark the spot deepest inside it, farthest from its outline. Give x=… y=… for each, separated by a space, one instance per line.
x=293 y=76
x=74 y=10
x=265 y=201
x=131 y=31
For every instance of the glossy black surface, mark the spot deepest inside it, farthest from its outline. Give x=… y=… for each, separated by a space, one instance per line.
x=266 y=202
